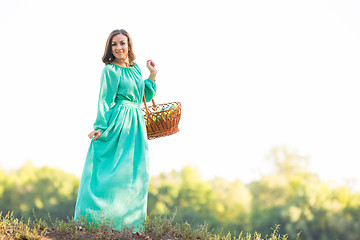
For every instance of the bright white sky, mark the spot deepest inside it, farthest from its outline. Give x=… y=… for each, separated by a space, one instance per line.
x=251 y=75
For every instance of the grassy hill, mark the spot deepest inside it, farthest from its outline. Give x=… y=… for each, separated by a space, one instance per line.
x=155 y=228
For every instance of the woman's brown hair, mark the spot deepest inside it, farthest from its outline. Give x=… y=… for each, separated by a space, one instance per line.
x=109 y=57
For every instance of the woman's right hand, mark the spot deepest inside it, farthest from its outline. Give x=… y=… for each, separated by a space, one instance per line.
x=97 y=134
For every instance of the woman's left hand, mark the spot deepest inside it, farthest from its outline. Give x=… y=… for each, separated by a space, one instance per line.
x=151 y=66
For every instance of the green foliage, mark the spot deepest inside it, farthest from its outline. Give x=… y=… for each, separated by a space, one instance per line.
x=300 y=202
x=290 y=196
x=43 y=190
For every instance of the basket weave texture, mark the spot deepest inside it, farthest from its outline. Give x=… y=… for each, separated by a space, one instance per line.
x=161 y=120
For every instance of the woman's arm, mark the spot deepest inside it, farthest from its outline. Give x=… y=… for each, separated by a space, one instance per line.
x=150 y=86
x=108 y=88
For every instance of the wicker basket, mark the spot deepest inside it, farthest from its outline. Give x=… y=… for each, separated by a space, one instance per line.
x=161 y=120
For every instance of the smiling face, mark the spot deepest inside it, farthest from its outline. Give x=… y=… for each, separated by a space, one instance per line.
x=120 y=47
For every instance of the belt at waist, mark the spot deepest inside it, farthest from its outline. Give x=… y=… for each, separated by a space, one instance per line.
x=128 y=103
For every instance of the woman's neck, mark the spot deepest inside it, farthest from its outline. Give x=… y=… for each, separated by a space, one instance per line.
x=122 y=63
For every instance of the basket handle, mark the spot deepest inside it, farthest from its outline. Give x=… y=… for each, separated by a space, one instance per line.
x=146 y=108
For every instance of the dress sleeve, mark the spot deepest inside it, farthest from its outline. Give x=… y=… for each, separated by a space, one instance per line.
x=150 y=89
x=108 y=88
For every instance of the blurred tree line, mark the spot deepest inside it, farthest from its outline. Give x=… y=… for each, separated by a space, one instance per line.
x=290 y=196
x=42 y=190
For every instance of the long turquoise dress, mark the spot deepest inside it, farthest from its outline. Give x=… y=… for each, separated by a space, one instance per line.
x=115 y=179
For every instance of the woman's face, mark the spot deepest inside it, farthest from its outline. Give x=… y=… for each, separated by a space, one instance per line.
x=120 y=47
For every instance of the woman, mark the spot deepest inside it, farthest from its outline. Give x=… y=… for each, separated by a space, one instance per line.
x=114 y=182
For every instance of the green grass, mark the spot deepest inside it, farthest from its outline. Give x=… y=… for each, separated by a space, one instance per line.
x=155 y=227
x=13 y=228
